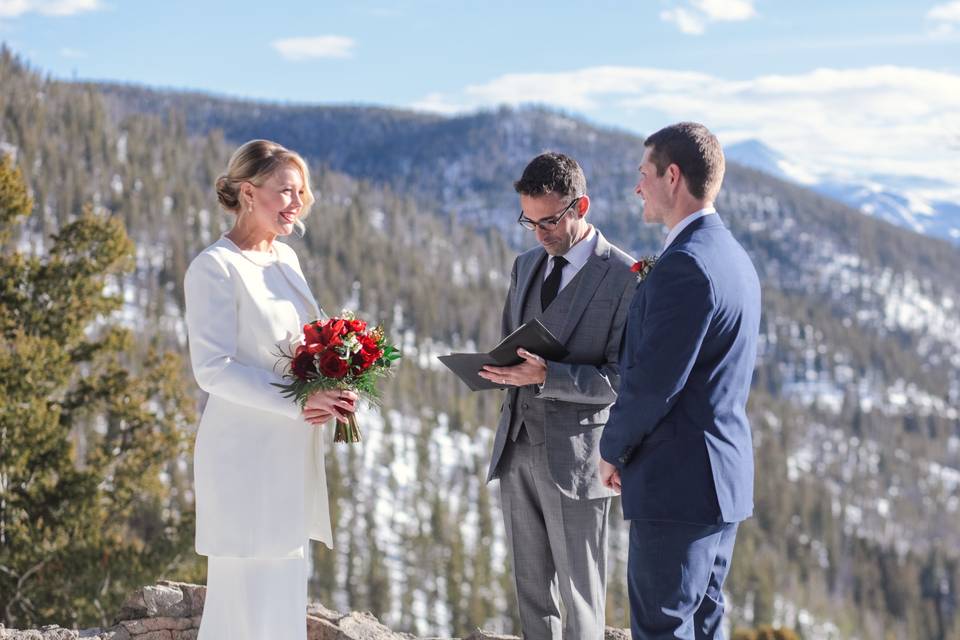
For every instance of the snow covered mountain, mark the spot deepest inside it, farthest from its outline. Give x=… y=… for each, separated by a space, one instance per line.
x=924 y=205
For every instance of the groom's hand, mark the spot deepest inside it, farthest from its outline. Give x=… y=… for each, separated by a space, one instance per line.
x=533 y=370
x=609 y=475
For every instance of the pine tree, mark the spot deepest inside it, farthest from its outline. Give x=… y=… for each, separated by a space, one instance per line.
x=85 y=514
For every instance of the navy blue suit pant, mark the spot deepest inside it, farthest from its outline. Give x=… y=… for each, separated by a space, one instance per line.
x=675 y=577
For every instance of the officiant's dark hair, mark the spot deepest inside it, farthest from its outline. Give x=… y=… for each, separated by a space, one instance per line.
x=552 y=172
x=697 y=152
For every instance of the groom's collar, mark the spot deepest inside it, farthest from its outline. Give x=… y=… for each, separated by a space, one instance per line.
x=683 y=224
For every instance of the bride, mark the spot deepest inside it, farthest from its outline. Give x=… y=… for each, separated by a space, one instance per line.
x=260 y=484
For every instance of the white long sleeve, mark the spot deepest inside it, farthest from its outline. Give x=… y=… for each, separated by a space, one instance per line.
x=212 y=328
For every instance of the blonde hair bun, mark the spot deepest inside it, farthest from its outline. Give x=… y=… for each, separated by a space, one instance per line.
x=228 y=194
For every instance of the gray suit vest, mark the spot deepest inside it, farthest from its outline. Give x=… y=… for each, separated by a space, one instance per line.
x=528 y=411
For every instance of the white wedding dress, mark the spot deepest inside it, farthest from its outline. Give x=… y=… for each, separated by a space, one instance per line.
x=259 y=476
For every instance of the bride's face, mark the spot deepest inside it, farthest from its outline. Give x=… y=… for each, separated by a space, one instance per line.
x=277 y=203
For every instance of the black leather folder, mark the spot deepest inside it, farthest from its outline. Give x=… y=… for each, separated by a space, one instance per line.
x=532 y=336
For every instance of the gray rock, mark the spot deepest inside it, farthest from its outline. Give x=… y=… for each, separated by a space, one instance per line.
x=480 y=634
x=321 y=629
x=319 y=611
x=163 y=634
x=194 y=594
x=613 y=633
x=140 y=627
x=172 y=611
x=153 y=602
x=364 y=626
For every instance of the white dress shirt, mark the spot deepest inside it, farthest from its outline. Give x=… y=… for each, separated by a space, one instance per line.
x=683 y=224
x=576 y=256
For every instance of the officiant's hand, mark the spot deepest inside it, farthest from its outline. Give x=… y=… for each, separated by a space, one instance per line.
x=533 y=370
x=609 y=475
x=324 y=405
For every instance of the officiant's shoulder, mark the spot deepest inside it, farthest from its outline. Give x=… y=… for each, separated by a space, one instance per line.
x=621 y=258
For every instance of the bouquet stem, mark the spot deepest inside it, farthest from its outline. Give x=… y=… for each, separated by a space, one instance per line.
x=348 y=431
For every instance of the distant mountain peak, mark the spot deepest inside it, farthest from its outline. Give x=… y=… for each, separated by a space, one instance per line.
x=913 y=202
x=758 y=155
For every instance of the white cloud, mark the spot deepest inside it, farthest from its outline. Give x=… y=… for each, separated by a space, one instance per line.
x=315 y=47
x=17 y=8
x=946 y=12
x=693 y=19
x=945 y=18
x=689 y=22
x=726 y=10
x=883 y=119
x=67 y=52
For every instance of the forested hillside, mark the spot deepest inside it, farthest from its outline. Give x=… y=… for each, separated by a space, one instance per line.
x=855 y=397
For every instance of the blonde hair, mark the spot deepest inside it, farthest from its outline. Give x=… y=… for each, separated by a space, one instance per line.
x=254 y=162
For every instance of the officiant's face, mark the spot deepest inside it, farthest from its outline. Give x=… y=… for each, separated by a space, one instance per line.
x=571 y=227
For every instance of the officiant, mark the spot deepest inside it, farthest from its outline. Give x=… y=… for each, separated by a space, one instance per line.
x=545 y=452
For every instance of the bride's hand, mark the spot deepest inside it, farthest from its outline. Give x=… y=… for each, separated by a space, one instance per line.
x=324 y=405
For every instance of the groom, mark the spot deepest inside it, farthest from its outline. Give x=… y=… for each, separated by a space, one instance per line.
x=678 y=439
x=545 y=452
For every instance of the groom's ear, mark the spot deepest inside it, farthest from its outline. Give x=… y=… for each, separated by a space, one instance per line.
x=674 y=173
x=583 y=205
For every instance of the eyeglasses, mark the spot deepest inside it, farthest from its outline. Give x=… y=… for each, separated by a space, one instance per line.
x=547 y=224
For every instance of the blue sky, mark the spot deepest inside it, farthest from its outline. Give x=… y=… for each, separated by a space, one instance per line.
x=852 y=87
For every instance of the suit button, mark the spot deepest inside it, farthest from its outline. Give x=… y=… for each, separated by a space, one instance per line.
x=525 y=405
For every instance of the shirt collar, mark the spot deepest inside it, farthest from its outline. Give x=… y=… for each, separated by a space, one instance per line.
x=683 y=224
x=579 y=253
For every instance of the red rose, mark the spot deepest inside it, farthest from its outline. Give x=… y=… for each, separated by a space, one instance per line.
x=302 y=364
x=639 y=266
x=364 y=359
x=332 y=365
x=330 y=332
x=311 y=333
x=368 y=356
x=367 y=341
x=356 y=326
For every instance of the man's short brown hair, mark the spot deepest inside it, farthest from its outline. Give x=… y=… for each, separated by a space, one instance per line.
x=552 y=172
x=697 y=152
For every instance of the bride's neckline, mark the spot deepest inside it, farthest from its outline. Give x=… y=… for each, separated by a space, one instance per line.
x=260 y=258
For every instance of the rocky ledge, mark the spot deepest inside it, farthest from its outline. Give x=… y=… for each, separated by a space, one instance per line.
x=172 y=610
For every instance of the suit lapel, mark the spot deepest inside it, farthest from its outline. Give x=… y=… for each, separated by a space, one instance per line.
x=587 y=282
x=525 y=278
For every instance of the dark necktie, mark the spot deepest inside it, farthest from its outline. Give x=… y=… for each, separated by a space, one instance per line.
x=551 y=286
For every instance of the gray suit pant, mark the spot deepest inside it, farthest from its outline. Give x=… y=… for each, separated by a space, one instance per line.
x=558 y=545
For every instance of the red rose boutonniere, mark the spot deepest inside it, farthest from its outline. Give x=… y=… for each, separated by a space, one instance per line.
x=643 y=267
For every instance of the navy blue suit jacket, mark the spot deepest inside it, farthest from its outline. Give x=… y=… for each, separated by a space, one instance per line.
x=678 y=432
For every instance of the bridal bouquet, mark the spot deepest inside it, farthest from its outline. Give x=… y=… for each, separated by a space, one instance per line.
x=339 y=353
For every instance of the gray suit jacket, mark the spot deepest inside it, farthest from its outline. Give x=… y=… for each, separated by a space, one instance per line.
x=579 y=390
